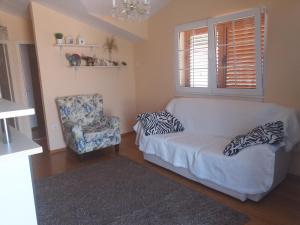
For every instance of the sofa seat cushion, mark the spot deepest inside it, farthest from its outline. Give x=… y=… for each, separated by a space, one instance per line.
x=180 y=149
x=92 y=133
x=101 y=138
x=202 y=155
x=94 y=128
x=98 y=135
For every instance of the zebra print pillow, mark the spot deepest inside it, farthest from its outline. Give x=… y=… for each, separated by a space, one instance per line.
x=159 y=123
x=270 y=133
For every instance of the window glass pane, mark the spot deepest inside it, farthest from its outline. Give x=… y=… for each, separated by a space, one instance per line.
x=193 y=58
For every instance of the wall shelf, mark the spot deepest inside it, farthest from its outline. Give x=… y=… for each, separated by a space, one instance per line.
x=91 y=46
x=79 y=67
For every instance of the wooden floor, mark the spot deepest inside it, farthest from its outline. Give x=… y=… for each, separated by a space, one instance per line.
x=281 y=207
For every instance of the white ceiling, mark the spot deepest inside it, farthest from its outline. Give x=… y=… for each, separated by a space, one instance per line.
x=18 y=7
x=79 y=9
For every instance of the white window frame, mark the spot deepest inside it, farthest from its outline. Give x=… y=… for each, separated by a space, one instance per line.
x=178 y=29
x=212 y=88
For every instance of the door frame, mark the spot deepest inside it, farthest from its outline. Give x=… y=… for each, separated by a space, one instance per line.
x=11 y=82
x=23 y=86
x=7 y=63
x=22 y=76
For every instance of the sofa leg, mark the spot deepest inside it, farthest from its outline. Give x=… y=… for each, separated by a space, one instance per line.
x=117 y=147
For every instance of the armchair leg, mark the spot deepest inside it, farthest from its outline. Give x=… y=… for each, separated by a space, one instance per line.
x=117 y=147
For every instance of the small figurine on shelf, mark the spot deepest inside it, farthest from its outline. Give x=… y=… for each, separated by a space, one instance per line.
x=110 y=45
x=115 y=63
x=74 y=59
x=106 y=62
x=69 y=40
x=59 y=38
x=90 y=61
x=80 y=40
x=103 y=62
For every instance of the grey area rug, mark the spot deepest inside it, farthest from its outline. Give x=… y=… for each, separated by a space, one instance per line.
x=122 y=192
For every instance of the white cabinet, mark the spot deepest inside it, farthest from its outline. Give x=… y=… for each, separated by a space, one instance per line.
x=16 y=192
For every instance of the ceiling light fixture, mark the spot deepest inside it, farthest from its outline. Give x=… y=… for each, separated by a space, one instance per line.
x=134 y=10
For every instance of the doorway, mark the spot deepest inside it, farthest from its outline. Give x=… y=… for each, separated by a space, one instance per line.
x=33 y=91
x=6 y=88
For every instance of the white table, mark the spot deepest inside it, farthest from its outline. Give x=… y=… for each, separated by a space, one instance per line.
x=16 y=193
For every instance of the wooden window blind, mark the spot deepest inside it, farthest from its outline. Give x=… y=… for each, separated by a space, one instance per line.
x=236 y=53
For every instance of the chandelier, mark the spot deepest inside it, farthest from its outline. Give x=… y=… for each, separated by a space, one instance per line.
x=135 y=10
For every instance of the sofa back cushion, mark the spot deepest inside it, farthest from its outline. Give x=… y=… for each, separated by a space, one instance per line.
x=81 y=109
x=229 y=118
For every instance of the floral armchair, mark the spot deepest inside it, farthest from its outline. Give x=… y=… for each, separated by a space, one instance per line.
x=84 y=125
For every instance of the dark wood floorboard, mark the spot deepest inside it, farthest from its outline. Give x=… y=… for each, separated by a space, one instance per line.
x=280 y=207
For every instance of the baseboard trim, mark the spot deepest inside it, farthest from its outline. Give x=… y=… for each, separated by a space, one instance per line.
x=57 y=150
x=65 y=148
x=127 y=133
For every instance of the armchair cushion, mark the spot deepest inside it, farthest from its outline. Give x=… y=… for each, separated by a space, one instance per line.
x=107 y=130
x=101 y=138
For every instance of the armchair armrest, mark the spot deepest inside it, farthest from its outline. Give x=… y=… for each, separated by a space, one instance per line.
x=113 y=122
x=69 y=126
x=74 y=136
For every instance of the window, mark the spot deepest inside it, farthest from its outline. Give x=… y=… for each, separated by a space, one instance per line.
x=223 y=55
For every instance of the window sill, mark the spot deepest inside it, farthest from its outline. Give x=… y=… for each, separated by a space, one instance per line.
x=219 y=95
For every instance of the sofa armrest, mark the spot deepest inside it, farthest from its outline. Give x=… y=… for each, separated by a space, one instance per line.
x=74 y=135
x=139 y=130
x=113 y=122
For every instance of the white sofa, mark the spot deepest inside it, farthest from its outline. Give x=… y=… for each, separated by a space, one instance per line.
x=210 y=124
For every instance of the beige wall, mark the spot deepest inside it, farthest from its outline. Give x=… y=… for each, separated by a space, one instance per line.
x=19 y=31
x=19 y=28
x=139 y=30
x=116 y=85
x=155 y=80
